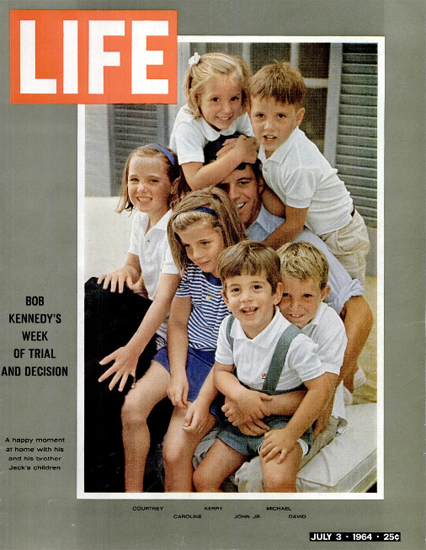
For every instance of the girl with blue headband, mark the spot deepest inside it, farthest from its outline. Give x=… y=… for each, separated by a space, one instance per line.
x=150 y=178
x=202 y=225
x=126 y=311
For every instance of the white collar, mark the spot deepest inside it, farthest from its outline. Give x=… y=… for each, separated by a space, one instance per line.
x=318 y=316
x=211 y=134
x=161 y=225
x=279 y=154
x=267 y=221
x=268 y=337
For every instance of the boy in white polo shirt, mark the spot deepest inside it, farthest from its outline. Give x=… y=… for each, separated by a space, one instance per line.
x=304 y=270
x=269 y=357
x=295 y=169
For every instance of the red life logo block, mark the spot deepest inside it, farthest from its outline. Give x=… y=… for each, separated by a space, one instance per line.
x=93 y=56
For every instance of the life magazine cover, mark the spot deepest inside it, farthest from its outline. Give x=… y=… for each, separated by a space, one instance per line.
x=85 y=84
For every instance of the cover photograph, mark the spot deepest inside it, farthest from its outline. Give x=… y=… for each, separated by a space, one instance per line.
x=211 y=309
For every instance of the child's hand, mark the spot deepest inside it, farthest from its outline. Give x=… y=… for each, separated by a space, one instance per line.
x=125 y=363
x=277 y=442
x=139 y=288
x=178 y=389
x=125 y=275
x=197 y=417
x=252 y=404
x=234 y=414
x=228 y=145
x=246 y=149
x=254 y=428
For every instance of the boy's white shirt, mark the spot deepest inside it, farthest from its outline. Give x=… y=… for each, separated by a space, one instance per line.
x=190 y=135
x=328 y=331
x=305 y=179
x=252 y=357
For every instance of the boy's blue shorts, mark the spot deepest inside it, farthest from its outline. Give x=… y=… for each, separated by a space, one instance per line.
x=198 y=365
x=249 y=445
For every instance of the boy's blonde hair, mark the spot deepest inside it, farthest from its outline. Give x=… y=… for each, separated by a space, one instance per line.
x=210 y=205
x=174 y=173
x=211 y=65
x=279 y=81
x=250 y=258
x=303 y=261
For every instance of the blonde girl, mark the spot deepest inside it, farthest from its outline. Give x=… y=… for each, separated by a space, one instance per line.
x=215 y=89
x=122 y=327
x=202 y=225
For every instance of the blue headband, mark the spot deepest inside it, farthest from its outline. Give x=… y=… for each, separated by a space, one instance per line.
x=206 y=210
x=164 y=151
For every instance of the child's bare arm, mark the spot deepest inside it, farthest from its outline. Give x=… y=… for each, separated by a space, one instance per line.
x=272 y=203
x=200 y=176
x=251 y=403
x=283 y=404
x=286 y=403
x=293 y=225
x=126 y=358
x=177 y=341
x=243 y=421
x=128 y=274
x=281 y=441
x=139 y=287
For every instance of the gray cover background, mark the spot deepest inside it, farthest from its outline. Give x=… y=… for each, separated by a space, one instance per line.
x=38 y=185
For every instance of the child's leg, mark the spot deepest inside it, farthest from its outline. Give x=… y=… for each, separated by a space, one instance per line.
x=179 y=447
x=281 y=478
x=140 y=401
x=220 y=462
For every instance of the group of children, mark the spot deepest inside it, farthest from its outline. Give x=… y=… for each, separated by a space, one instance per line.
x=243 y=337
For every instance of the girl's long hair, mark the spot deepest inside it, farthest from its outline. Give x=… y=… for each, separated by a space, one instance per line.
x=223 y=218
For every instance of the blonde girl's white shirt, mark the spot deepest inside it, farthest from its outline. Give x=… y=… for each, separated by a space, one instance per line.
x=303 y=178
x=328 y=331
x=190 y=135
x=154 y=253
x=252 y=357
